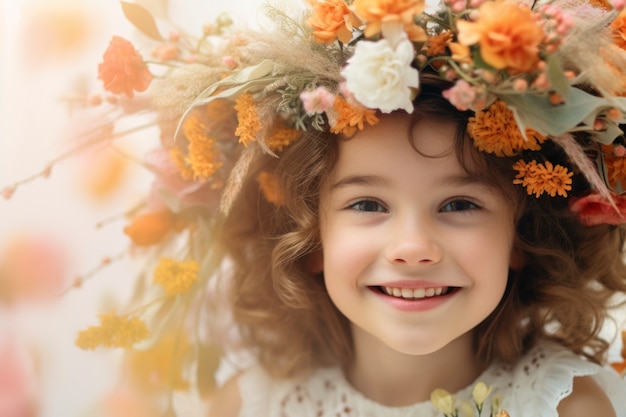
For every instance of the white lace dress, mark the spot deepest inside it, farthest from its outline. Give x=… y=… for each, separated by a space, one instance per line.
x=532 y=388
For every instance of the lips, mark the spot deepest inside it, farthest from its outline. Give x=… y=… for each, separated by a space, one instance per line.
x=414 y=293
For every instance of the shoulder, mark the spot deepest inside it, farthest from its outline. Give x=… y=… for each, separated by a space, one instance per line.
x=587 y=399
x=227 y=400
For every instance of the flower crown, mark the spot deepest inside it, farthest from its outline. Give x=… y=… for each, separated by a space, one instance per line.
x=530 y=73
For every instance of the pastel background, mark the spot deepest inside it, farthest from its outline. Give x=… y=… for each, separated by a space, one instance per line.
x=49 y=234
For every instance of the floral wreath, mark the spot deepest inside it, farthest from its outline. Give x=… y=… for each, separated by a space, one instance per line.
x=531 y=73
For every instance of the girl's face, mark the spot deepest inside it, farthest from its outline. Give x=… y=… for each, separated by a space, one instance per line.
x=415 y=250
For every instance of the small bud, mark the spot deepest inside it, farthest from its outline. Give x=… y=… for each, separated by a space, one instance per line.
x=8 y=192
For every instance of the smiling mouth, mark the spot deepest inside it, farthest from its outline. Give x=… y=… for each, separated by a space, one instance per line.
x=415 y=293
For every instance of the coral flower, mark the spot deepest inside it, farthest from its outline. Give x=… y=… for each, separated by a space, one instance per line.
x=123 y=69
x=595 y=209
x=332 y=19
x=377 y=12
x=495 y=131
x=508 y=35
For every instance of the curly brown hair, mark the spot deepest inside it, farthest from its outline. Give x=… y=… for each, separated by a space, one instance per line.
x=561 y=291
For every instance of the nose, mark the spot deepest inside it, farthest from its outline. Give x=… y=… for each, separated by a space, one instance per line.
x=413 y=243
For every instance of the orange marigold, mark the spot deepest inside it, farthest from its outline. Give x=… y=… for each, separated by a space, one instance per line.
x=508 y=35
x=618 y=27
x=540 y=178
x=437 y=44
x=375 y=12
x=495 y=131
x=123 y=69
x=150 y=228
x=203 y=156
x=332 y=19
x=268 y=182
x=616 y=166
x=282 y=136
x=248 y=117
x=351 y=118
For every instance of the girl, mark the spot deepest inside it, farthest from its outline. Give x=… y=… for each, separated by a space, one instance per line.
x=419 y=212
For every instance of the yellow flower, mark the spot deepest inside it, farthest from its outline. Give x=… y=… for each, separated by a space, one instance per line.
x=202 y=153
x=495 y=131
x=480 y=393
x=180 y=160
x=466 y=409
x=248 y=117
x=443 y=401
x=268 y=182
x=113 y=331
x=543 y=178
x=282 y=136
x=351 y=118
x=508 y=35
x=176 y=277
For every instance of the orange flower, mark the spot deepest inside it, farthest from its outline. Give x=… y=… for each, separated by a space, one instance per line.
x=616 y=166
x=282 y=136
x=123 y=69
x=249 y=120
x=375 y=12
x=332 y=19
x=507 y=33
x=268 y=182
x=619 y=29
x=437 y=43
x=149 y=229
x=543 y=178
x=495 y=131
x=351 y=118
x=203 y=157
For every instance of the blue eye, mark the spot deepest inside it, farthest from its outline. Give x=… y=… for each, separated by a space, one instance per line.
x=368 y=206
x=459 y=205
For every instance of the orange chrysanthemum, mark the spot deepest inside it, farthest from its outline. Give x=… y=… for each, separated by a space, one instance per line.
x=268 y=182
x=495 y=131
x=437 y=44
x=618 y=26
x=351 y=118
x=508 y=35
x=203 y=156
x=123 y=69
x=150 y=229
x=249 y=121
x=375 y=12
x=282 y=136
x=540 y=178
x=616 y=166
x=332 y=19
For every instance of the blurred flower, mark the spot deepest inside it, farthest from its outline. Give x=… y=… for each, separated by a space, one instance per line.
x=176 y=277
x=595 y=209
x=103 y=172
x=113 y=331
x=32 y=268
x=18 y=396
x=443 y=401
x=150 y=228
x=378 y=12
x=123 y=69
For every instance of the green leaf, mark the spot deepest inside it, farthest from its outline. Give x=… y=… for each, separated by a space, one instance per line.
x=142 y=19
x=536 y=112
x=556 y=75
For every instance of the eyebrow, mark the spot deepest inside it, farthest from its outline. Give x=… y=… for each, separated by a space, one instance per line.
x=363 y=180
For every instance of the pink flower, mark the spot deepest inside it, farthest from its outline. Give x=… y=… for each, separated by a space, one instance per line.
x=18 y=396
x=317 y=101
x=594 y=209
x=462 y=95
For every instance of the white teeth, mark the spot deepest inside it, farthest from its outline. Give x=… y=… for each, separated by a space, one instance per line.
x=409 y=293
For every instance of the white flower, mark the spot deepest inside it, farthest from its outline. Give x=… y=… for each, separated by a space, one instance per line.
x=381 y=77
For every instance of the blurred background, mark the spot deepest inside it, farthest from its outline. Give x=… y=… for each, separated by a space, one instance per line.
x=61 y=219
x=65 y=223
